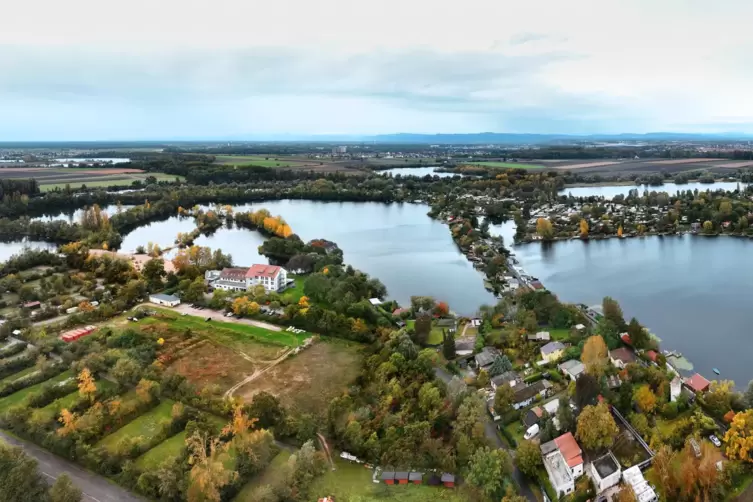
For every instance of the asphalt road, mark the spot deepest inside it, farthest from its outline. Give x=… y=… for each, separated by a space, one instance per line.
x=95 y=488
x=490 y=429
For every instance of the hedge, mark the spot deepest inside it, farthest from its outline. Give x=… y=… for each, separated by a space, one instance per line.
x=508 y=437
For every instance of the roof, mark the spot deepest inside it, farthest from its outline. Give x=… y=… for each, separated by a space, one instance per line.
x=623 y=354
x=557 y=469
x=388 y=475
x=548 y=447
x=651 y=354
x=31 y=304
x=445 y=323
x=580 y=326
x=486 y=357
x=527 y=393
x=552 y=347
x=506 y=377
x=536 y=285
x=606 y=465
x=541 y=335
x=613 y=381
x=697 y=382
x=626 y=338
x=234 y=273
x=569 y=448
x=263 y=271
x=552 y=406
x=573 y=366
x=399 y=311
x=401 y=475
x=446 y=477
x=164 y=297
x=416 y=476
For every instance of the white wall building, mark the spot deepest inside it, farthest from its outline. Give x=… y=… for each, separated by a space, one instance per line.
x=166 y=300
x=272 y=277
x=605 y=472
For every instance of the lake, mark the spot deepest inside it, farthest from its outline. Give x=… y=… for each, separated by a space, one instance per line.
x=8 y=249
x=74 y=216
x=397 y=243
x=95 y=160
x=418 y=171
x=671 y=188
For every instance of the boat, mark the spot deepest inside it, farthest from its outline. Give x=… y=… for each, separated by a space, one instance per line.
x=716 y=371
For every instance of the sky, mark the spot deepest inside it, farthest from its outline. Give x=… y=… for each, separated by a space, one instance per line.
x=253 y=69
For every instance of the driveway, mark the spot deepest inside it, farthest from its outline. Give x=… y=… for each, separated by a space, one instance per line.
x=95 y=488
x=220 y=316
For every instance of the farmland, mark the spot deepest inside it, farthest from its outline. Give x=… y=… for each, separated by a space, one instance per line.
x=509 y=165
x=58 y=177
x=147 y=426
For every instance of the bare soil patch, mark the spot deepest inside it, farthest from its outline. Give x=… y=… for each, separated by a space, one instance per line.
x=587 y=164
x=310 y=380
x=735 y=165
x=207 y=364
x=682 y=161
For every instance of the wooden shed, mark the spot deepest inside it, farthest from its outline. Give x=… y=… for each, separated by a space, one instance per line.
x=388 y=477
x=448 y=480
x=416 y=478
x=401 y=478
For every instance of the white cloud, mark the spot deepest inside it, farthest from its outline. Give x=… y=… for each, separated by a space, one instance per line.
x=187 y=68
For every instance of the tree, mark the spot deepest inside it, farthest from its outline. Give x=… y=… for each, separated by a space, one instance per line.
x=127 y=371
x=422 y=327
x=586 y=390
x=511 y=496
x=640 y=424
x=482 y=380
x=64 y=490
x=487 y=469
x=708 y=227
x=596 y=427
x=583 y=228
x=594 y=355
x=528 y=458
x=638 y=335
x=749 y=395
x=153 y=272
x=565 y=415
x=739 y=437
x=195 y=290
x=719 y=397
x=19 y=479
x=626 y=494
x=448 y=346
x=266 y=408
x=544 y=229
x=87 y=388
x=500 y=365
x=619 y=231
x=645 y=399
x=208 y=472
x=503 y=399
x=613 y=312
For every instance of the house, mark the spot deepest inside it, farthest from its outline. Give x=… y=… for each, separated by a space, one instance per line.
x=675 y=388
x=399 y=311
x=622 y=357
x=375 y=301
x=388 y=477
x=605 y=472
x=633 y=477
x=416 y=478
x=563 y=461
x=401 y=478
x=552 y=351
x=541 y=336
x=450 y=324
x=32 y=305
x=485 y=358
x=166 y=300
x=534 y=415
x=697 y=383
x=572 y=369
x=537 y=286
x=272 y=277
x=448 y=480
x=510 y=378
x=580 y=327
x=652 y=355
x=525 y=396
x=613 y=382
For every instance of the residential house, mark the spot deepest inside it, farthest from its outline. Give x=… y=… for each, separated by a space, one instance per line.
x=613 y=382
x=32 y=305
x=572 y=369
x=580 y=327
x=563 y=461
x=552 y=351
x=511 y=378
x=450 y=324
x=541 y=336
x=272 y=277
x=675 y=388
x=697 y=383
x=485 y=358
x=633 y=477
x=534 y=415
x=525 y=396
x=622 y=357
x=605 y=472
x=166 y=300
x=652 y=355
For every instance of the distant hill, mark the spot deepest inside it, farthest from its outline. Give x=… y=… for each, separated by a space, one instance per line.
x=517 y=139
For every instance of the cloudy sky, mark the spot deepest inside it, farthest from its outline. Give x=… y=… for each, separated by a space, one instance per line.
x=161 y=69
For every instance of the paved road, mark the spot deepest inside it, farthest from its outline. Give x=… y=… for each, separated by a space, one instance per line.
x=95 y=488
x=220 y=316
x=490 y=429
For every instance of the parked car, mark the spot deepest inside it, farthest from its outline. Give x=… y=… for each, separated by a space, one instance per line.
x=715 y=440
x=531 y=432
x=229 y=314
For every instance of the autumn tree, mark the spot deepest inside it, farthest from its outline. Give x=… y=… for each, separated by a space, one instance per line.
x=68 y=421
x=594 y=356
x=208 y=473
x=596 y=427
x=645 y=399
x=512 y=496
x=544 y=229
x=626 y=494
x=619 y=231
x=442 y=309
x=719 y=397
x=482 y=380
x=739 y=437
x=708 y=227
x=503 y=399
x=87 y=388
x=583 y=228
x=528 y=458
x=85 y=307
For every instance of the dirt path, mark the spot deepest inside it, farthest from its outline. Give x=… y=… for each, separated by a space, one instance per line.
x=220 y=316
x=256 y=374
x=325 y=447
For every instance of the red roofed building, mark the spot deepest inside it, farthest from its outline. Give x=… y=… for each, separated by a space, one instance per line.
x=571 y=452
x=626 y=338
x=652 y=355
x=697 y=383
x=272 y=277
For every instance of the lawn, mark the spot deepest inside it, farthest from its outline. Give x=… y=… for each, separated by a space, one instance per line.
x=168 y=449
x=265 y=161
x=558 y=333
x=297 y=291
x=147 y=425
x=509 y=165
x=516 y=430
x=353 y=482
x=435 y=335
x=18 y=397
x=310 y=380
x=268 y=476
x=51 y=410
x=16 y=376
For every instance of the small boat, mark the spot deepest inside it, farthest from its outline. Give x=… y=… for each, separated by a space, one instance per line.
x=716 y=371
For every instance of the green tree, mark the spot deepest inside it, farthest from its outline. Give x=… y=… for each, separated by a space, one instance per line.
x=512 y=496
x=266 y=408
x=638 y=335
x=528 y=458
x=487 y=469
x=64 y=491
x=500 y=365
x=596 y=427
x=565 y=415
x=422 y=327
x=153 y=272
x=482 y=380
x=708 y=227
x=19 y=479
x=195 y=290
x=503 y=399
x=613 y=312
x=544 y=229
x=586 y=390
x=127 y=371
x=448 y=346
x=748 y=397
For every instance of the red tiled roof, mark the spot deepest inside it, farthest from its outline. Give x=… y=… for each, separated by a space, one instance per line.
x=651 y=355
x=569 y=449
x=399 y=311
x=263 y=271
x=626 y=338
x=233 y=273
x=623 y=354
x=697 y=383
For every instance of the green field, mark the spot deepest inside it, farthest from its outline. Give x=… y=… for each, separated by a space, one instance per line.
x=435 y=335
x=166 y=450
x=228 y=333
x=105 y=181
x=297 y=291
x=558 y=333
x=268 y=476
x=18 y=397
x=509 y=165
x=20 y=374
x=147 y=425
x=264 y=160
x=353 y=482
